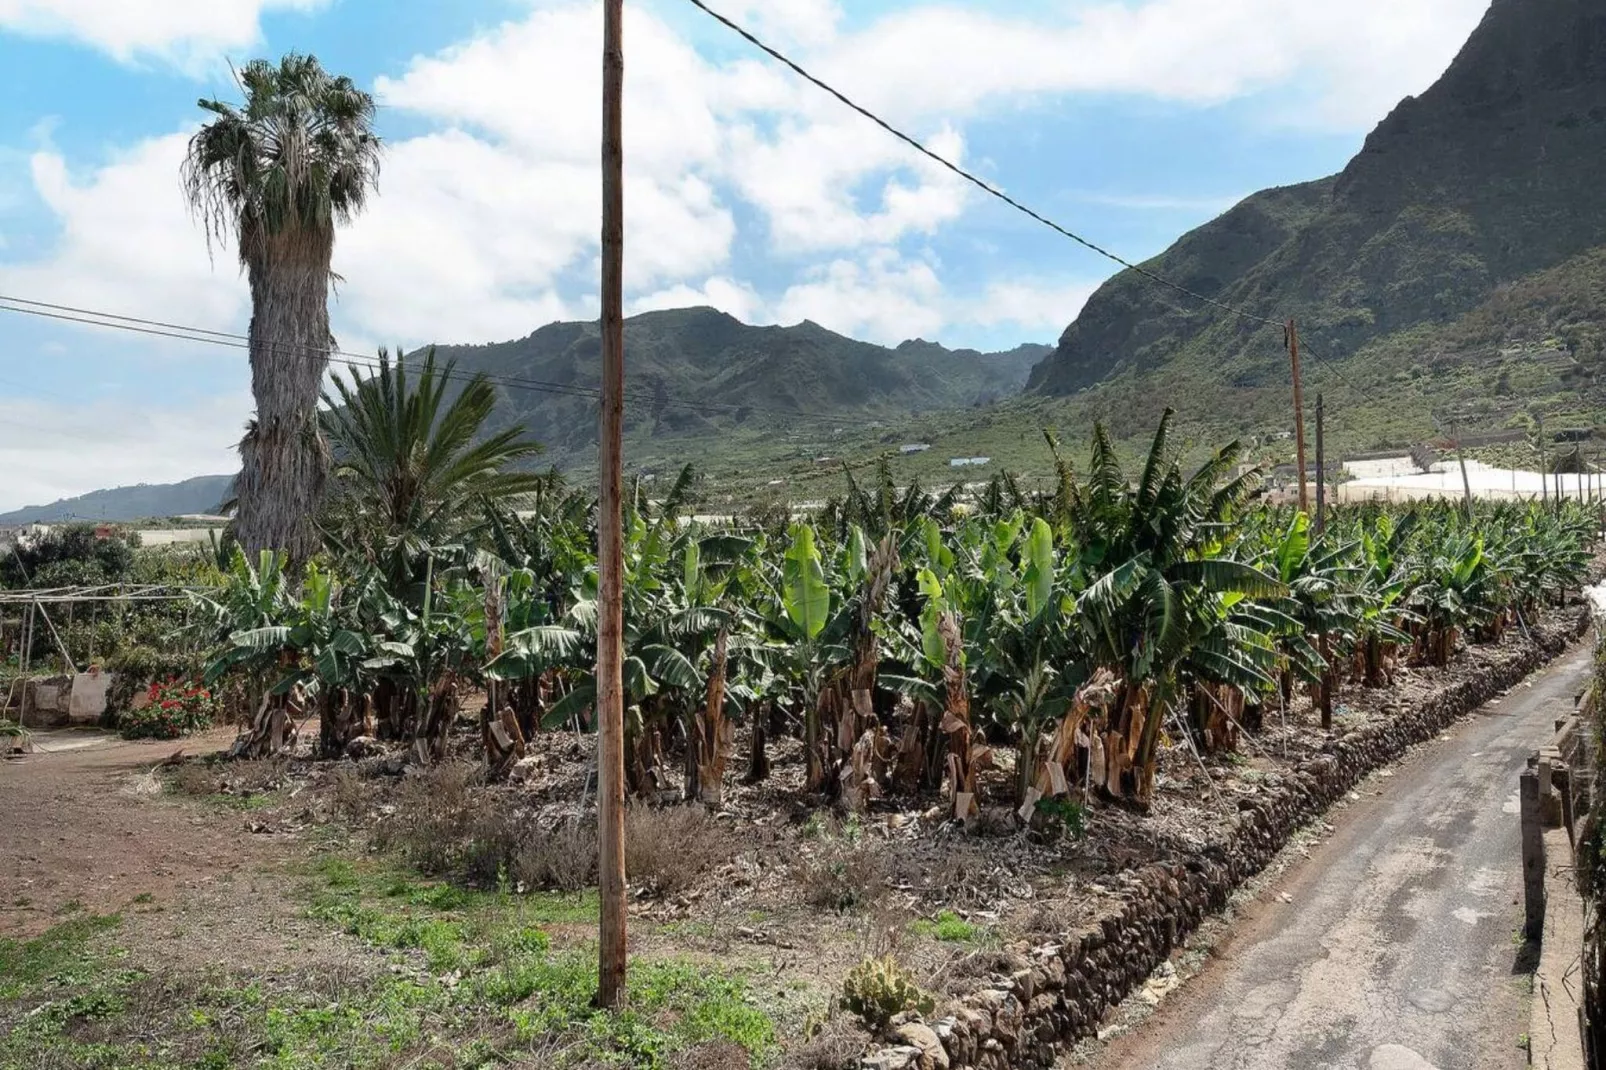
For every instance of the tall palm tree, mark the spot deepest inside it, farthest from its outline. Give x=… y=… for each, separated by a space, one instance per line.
x=277 y=176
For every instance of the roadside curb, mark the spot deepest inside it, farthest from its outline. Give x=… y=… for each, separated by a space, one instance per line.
x=1059 y=993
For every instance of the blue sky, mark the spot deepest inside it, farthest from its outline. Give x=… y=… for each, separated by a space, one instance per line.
x=1128 y=121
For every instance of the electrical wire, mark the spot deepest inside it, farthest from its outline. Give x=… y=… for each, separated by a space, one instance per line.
x=970 y=177
x=181 y=332
x=162 y=329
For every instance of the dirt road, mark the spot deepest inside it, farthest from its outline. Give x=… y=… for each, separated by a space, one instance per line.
x=1392 y=947
x=84 y=826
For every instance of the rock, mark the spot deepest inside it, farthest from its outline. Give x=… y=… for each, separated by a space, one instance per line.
x=364 y=747
x=899 y=1058
x=919 y=1035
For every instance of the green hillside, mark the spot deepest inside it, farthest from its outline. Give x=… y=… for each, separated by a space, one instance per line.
x=699 y=374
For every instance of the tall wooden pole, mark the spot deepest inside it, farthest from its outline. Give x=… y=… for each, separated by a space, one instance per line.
x=1544 y=468
x=1461 y=458
x=610 y=550
x=1321 y=470
x=1291 y=337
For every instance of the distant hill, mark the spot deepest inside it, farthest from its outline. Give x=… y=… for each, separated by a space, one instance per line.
x=1451 y=268
x=702 y=387
x=697 y=371
x=202 y=494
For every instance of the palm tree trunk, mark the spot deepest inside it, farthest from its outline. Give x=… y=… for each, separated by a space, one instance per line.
x=283 y=458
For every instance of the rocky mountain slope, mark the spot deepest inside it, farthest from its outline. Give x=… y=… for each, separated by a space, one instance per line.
x=696 y=370
x=1487 y=181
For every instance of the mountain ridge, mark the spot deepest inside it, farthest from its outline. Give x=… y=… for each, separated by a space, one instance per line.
x=199 y=494
x=1483 y=180
x=698 y=370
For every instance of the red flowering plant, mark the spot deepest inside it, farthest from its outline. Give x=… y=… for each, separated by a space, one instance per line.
x=174 y=707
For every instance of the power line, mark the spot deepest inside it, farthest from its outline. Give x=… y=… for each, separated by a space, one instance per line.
x=162 y=329
x=181 y=332
x=973 y=179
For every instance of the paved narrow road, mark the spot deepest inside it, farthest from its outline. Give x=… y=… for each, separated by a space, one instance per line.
x=1397 y=950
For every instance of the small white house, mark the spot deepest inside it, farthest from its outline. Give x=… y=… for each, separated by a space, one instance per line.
x=970 y=462
x=916 y=447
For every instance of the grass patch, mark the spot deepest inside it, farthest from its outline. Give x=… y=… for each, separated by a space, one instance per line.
x=947 y=927
x=60 y=957
x=475 y=980
x=495 y=950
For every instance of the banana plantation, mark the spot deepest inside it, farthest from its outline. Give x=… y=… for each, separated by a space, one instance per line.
x=1033 y=647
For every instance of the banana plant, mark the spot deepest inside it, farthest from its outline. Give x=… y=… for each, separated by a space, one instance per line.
x=1153 y=560
x=1321 y=581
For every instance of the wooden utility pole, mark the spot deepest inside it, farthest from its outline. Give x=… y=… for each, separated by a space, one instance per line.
x=1321 y=471
x=1291 y=339
x=1461 y=457
x=610 y=548
x=1544 y=475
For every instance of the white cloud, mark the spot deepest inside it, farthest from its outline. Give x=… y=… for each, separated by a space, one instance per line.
x=881 y=297
x=192 y=34
x=802 y=22
x=51 y=451
x=726 y=294
x=1031 y=305
x=127 y=243
x=1350 y=62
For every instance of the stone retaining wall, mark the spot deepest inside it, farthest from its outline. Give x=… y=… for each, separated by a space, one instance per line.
x=1059 y=993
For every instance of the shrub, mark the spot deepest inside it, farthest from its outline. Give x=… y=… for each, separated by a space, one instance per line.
x=878 y=989
x=667 y=850
x=834 y=1043
x=433 y=817
x=842 y=874
x=947 y=927
x=562 y=859
x=135 y=665
x=177 y=708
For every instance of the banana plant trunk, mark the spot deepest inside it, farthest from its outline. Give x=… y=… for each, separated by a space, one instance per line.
x=962 y=751
x=708 y=742
x=758 y=757
x=340 y=720
x=433 y=738
x=1325 y=687
x=813 y=742
x=272 y=731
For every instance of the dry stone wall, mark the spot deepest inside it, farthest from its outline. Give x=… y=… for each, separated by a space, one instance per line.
x=1058 y=993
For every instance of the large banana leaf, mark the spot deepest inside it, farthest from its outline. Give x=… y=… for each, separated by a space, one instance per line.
x=807 y=598
x=1039 y=562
